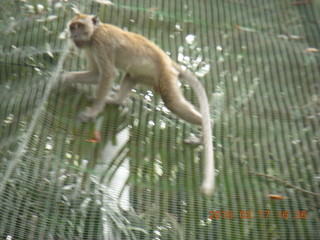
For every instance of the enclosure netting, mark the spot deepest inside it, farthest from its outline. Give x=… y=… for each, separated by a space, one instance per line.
x=128 y=174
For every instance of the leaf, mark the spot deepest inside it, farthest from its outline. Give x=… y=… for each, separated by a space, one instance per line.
x=96 y=138
x=104 y=2
x=276 y=197
x=247 y=29
x=312 y=50
x=301 y=3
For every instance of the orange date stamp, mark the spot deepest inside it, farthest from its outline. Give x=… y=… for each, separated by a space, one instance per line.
x=215 y=215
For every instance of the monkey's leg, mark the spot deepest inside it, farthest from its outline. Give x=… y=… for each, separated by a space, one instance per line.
x=88 y=77
x=185 y=110
x=127 y=84
x=103 y=88
x=175 y=101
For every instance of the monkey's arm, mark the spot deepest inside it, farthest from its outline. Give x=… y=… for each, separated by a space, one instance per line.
x=107 y=73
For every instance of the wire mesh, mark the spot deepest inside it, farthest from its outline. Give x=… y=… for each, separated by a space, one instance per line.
x=128 y=175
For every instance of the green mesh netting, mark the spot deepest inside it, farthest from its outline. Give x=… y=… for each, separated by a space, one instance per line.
x=259 y=62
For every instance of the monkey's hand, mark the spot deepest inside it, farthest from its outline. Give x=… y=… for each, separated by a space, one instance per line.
x=193 y=140
x=88 y=115
x=67 y=77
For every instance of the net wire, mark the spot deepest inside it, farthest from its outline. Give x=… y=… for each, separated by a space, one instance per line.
x=129 y=174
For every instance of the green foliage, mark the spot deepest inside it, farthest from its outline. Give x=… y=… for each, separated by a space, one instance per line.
x=56 y=175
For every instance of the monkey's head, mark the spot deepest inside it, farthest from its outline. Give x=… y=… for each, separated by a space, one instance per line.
x=81 y=29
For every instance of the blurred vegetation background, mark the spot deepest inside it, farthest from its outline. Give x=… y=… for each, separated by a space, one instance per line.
x=128 y=175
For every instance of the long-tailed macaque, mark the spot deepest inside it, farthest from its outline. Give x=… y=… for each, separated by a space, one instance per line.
x=109 y=48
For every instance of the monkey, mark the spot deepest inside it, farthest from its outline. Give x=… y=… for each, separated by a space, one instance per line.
x=108 y=49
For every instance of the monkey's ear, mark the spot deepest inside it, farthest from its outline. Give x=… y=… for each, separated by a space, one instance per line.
x=95 y=20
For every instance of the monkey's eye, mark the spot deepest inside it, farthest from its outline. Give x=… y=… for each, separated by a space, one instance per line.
x=75 y=26
x=72 y=27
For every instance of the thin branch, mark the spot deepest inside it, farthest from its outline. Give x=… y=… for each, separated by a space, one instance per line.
x=286 y=183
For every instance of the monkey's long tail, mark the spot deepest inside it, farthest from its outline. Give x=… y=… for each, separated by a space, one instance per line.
x=208 y=183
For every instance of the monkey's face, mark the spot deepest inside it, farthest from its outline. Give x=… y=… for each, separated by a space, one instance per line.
x=81 y=29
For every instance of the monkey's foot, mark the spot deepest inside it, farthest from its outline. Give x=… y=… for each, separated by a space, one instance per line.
x=91 y=98
x=193 y=140
x=88 y=115
x=115 y=101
